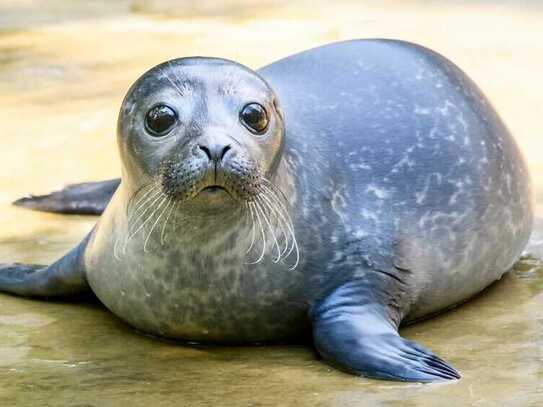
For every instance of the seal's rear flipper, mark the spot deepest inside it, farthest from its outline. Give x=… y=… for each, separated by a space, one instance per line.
x=89 y=198
x=352 y=330
x=64 y=277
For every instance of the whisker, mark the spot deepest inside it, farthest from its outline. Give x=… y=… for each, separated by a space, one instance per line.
x=294 y=245
x=143 y=223
x=297 y=251
x=263 y=236
x=155 y=199
x=151 y=195
x=136 y=202
x=272 y=232
x=280 y=221
x=162 y=236
x=253 y=231
x=141 y=189
x=165 y=199
x=275 y=189
x=282 y=216
x=281 y=204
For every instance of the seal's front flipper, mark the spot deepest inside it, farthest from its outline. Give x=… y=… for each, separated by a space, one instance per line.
x=64 y=277
x=89 y=198
x=353 y=330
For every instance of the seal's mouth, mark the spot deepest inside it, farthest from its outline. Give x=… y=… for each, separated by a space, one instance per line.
x=234 y=180
x=214 y=189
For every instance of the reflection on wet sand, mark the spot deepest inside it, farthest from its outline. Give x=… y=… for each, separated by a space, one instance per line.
x=63 y=72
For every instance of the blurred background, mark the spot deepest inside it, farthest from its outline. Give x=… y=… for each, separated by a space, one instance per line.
x=65 y=66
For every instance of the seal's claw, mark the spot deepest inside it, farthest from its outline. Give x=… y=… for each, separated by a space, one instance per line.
x=382 y=357
x=409 y=361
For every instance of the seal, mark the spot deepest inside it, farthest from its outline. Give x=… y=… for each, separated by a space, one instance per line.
x=340 y=191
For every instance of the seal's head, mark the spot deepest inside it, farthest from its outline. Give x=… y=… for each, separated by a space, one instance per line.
x=200 y=129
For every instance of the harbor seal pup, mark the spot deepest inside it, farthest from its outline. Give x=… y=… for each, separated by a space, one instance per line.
x=343 y=190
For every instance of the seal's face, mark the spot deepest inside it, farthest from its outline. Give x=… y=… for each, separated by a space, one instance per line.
x=201 y=129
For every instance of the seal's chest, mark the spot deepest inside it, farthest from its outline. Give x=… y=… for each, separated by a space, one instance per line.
x=197 y=295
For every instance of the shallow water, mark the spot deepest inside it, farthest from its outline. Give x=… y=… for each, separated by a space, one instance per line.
x=64 y=68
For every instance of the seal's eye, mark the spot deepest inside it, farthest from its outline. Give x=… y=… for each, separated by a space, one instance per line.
x=159 y=120
x=254 y=117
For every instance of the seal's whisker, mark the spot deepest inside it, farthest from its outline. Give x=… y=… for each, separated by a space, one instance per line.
x=144 y=222
x=253 y=228
x=165 y=199
x=281 y=204
x=270 y=228
x=287 y=233
x=255 y=203
x=162 y=235
x=280 y=218
x=275 y=188
x=294 y=245
x=134 y=217
x=150 y=196
x=297 y=251
x=149 y=205
x=134 y=204
x=134 y=201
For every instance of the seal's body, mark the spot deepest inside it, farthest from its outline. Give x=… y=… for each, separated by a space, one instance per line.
x=362 y=184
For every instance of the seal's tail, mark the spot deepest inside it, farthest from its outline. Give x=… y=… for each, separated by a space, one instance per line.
x=89 y=198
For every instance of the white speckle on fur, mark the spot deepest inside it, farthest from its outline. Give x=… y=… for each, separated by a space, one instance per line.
x=359 y=234
x=380 y=193
x=421 y=110
x=360 y=166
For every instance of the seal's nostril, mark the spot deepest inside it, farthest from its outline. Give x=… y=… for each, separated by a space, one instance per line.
x=225 y=150
x=215 y=152
x=205 y=150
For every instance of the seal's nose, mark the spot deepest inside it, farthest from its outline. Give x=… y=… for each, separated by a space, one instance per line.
x=216 y=151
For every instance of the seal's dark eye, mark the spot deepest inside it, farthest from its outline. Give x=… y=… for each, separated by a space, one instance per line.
x=159 y=120
x=254 y=117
